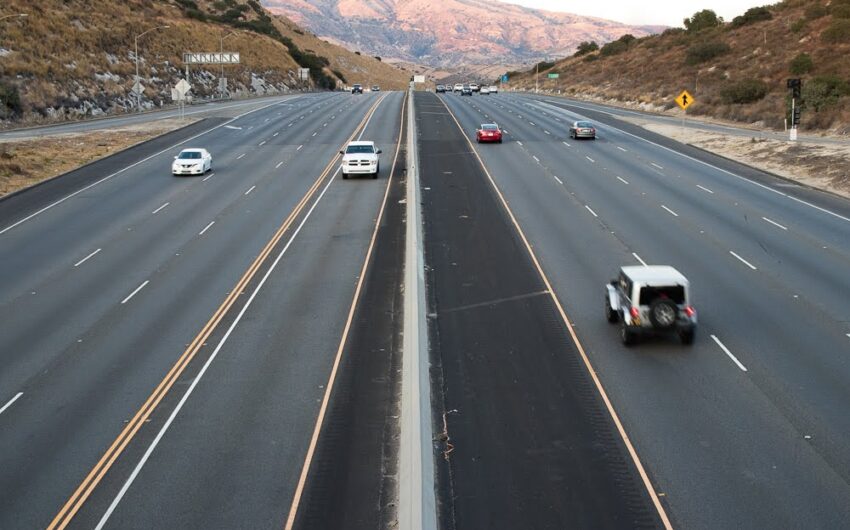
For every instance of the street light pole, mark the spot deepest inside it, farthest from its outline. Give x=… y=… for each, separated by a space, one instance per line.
x=136 y=44
x=221 y=49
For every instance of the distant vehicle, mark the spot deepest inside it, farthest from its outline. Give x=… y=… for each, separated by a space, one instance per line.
x=441 y=89
x=458 y=87
x=582 y=129
x=489 y=132
x=376 y=88
x=494 y=89
x=650 y=300
x=357 y=89
x=474 y=87
x=360 y=158
x=466 y=90
x=484 y=90
x=192 y=162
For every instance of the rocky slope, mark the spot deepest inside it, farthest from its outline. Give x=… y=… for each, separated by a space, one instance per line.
x=75 y=58
x=450 y=32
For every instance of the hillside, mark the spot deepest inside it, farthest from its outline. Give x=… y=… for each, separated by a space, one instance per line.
x=72 y=58
x=736 y=70
x=449 y=32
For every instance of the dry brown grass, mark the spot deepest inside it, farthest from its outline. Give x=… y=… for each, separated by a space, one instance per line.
x=654 y=70
x=30 y=161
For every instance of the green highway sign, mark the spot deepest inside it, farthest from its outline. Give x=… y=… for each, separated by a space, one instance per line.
x=554 y=76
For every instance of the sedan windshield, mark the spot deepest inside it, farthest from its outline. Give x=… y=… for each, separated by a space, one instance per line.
x=586 y=124
x=490 y=127
x=359 y=149
x=190 y=155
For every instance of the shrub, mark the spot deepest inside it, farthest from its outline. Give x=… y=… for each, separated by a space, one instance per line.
x=10 y=100
x=801 y=64
x=752 y=15
x=378 y=58
x=585 y=47
x=591 y=58
x=544 y=65
x=356 y=53
x=705 y=51
x=744 y=91
x=702 y=20
x=824 y=91
x=798 y=25
x=618 y=46
x=840 y=11
x=816 y=11
x=837 y=32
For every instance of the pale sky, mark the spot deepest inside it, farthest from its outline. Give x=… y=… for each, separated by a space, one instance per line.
x=664 y=12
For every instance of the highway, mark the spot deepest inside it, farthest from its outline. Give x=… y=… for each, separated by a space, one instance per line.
x=168 y=342
x=747 y=427
x=224 y=351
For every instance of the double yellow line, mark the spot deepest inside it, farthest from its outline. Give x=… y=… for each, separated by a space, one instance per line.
x=85 y=489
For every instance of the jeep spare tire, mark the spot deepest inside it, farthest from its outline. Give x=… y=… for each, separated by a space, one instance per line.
x=662 y=313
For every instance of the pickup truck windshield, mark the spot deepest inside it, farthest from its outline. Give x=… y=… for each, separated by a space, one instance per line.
x=359 y=149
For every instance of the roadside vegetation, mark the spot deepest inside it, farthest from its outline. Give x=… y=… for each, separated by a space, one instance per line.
x=736 y=70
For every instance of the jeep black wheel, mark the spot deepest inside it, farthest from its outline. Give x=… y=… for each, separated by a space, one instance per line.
x=610 y=314
x=662 y=313
x=687 y=336
x=628 y=336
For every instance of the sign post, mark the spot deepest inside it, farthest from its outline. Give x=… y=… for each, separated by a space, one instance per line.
x=796 y=86
x=684 y=100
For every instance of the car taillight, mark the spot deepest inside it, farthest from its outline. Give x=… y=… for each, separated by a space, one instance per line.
x=690 y=311
x=634 y=312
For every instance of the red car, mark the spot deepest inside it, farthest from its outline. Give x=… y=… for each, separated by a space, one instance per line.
x=489 y=132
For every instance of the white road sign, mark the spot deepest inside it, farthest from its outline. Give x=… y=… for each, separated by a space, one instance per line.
x=211 y=58
x=419 y=79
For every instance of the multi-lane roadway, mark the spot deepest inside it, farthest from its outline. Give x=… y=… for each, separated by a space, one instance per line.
x=224 y=351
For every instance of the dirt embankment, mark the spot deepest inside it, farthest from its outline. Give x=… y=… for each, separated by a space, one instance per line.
x=27 y=161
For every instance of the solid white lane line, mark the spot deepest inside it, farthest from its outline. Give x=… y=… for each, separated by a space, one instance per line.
x=278 y=165
x=9 y=404
x=639 y=260
x=671 y=211
x=621 y=179
x=206 y=366
x=559 y=180
x=535 y=159
x=591 y=160
x=160 y=208
x=250 y=190
x=206 y=228
x=240 y=156
x=742 y=260
x=299 y=147
x=565 y=143
x=656 y=165
x=589 y=209
x=211 y=175
x=621 y=149
x=703 y=188
x=519 y=144
x=727 y=352
x=774 y=223
x=131 y=295
x=262 y=143
x=77 y=264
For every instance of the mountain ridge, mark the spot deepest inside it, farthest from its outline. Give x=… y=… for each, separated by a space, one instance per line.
x=451 y=32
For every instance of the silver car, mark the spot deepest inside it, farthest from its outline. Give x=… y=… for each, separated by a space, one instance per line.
x=650 y=300
x=582 y=129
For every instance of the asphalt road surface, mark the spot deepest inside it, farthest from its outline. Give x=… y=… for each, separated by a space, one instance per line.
x=168 y=342
x=223 y=351
x=747 y=428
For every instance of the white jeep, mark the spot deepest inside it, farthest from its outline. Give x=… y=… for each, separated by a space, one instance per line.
x=649 y=300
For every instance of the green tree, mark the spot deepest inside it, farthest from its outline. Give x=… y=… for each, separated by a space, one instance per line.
x=702 y=20
x=824 y=91
x=801 y=64
x=586 y=47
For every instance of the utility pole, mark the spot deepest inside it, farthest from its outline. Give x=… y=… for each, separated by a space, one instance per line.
x=223 y=88
x=136 y=45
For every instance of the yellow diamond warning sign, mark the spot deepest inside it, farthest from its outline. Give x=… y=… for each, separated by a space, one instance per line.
x=684 y=100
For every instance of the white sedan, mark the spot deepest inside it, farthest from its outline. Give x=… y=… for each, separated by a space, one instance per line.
x=192 y=162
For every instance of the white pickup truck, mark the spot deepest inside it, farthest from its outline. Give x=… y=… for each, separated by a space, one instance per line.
x=360 y=158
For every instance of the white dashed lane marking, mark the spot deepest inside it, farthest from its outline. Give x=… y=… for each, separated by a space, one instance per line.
x=77 y=264
x=250 y=190
x=639 y=260
x=240 y=156
x=742 y=260
x=774 y=223
x=670 y=211
x=160 y=208
x=10 y=402
x=589 y=209
x=206 y=228
x=729 y=353
x=621 y=179
x=703 y=188
x=131 y=295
